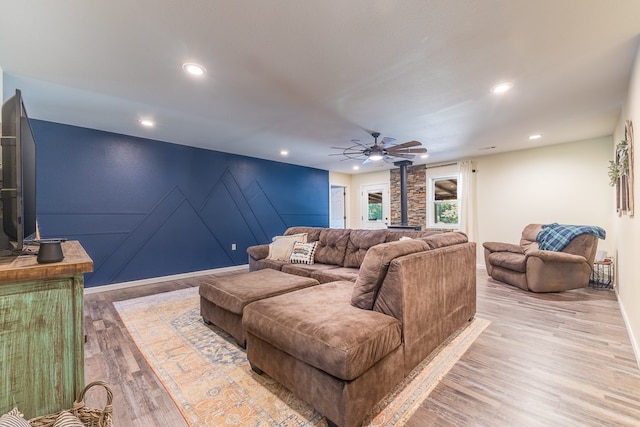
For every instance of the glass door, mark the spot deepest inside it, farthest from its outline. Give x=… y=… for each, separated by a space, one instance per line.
x=375 y=206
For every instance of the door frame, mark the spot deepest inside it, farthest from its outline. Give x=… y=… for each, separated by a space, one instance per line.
x=365 y=189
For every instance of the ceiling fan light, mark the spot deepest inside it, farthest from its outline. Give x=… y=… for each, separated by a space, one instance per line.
x=375 y=157
x=501 y=88
x=194 y=69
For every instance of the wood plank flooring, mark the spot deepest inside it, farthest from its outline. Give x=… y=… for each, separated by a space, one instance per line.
x=546 y=360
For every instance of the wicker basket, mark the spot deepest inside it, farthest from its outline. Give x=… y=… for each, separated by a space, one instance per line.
x=88 y=416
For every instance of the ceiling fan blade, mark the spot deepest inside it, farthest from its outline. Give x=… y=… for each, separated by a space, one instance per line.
x=367 y=160
x=407 y=144
x=406 y=150
x=386 y=141
x=357 y=141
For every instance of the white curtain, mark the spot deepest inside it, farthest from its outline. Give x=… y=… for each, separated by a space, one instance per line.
x=467 y=200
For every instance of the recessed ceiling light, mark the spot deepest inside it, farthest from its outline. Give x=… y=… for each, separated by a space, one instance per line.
x=424 y=156
x=194 y=69
x=535 y=136
x=148 y=123
x=356 y=167
x=284 y=153
x=501 y=88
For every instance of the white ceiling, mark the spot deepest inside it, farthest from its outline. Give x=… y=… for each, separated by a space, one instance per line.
x=308 y=75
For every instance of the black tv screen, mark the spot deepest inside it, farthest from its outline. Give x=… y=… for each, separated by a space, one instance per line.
x=18 y=192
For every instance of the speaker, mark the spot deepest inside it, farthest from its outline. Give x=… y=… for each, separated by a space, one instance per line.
x=50 y=252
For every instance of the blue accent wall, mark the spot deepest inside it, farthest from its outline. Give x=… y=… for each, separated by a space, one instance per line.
x=144 y=208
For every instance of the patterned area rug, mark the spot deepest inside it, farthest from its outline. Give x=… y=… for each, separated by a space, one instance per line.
x=209 y=378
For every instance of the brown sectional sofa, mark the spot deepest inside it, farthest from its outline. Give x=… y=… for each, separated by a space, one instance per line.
x=343 y=345
x=339 y=252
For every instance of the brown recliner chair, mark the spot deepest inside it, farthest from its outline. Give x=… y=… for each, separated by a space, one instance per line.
x=532 y=269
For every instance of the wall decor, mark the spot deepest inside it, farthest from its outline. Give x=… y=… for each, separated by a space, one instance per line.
x=621 y=172
x=628 y=131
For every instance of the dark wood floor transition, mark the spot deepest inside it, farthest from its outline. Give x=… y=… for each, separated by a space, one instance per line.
x=546 y=360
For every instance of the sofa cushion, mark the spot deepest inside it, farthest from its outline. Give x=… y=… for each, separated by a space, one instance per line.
x=332 y=246
x=305 y=270
x=310 y=326
x=359 y=242
x=280 y=248
x=440 y=240
x=313 y=233
x=528 y=238
x=509 y=260
x=374 y=268
x=336 y=274
x=233 y=292
x=395 y=235
x=270 y=263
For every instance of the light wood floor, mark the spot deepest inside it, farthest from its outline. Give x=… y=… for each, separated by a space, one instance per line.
x=546 y=360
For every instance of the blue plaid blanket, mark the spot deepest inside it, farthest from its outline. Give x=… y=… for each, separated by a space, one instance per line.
x=555 y=237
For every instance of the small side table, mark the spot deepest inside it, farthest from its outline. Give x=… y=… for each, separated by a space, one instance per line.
x=602 y=275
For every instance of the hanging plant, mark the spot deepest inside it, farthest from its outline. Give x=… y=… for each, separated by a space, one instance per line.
x=619 y=167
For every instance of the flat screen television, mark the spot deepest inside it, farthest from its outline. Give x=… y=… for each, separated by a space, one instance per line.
x=18 y=188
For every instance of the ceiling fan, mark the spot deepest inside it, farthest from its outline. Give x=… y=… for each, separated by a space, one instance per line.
x=383 y=150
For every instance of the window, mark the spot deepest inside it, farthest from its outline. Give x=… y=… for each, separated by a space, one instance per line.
x=375 y=206
x=443 y=201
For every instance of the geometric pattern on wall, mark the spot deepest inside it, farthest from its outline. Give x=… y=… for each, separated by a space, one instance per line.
x=144 y=208
x=162 y=238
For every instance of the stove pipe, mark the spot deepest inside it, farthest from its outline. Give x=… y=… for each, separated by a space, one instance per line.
x=404 y=218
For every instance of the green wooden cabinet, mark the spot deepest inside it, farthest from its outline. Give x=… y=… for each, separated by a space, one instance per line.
x=41 y=337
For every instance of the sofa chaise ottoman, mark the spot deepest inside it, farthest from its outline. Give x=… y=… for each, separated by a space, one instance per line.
x=342 y=346
x=223 y=298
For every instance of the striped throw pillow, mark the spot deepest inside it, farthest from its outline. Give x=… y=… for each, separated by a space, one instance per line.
x=13 y=418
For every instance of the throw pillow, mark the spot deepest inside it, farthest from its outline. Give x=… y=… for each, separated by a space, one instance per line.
x=13 y=418
x=280 y=248
x=302 y=253
x=67 y=419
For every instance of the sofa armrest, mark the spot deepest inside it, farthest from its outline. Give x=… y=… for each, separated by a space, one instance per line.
x=552 y=256
x=549 y=271
x=258 y=252
x=503 y=247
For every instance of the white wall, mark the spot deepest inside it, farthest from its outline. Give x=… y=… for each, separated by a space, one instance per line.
x=627 y=229
x=565 y=183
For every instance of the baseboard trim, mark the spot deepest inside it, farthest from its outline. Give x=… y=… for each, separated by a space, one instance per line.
x=134 y=283
x=627 y=324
